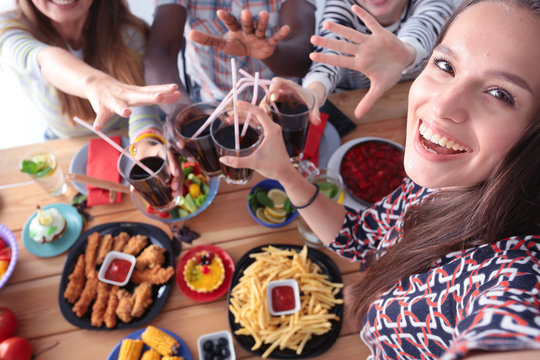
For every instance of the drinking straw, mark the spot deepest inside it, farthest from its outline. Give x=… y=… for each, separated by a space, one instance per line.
x=114 y=145
x=253 y=102
x=235 y=114
x=263 y=84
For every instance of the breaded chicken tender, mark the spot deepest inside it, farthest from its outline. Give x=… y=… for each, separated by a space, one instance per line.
x=90 y=253
x=100 y=305
x=76 y=281
x=142 y=298
x=136 y=244
x=120 y=241
x=112 y=304
x=152 y=256
x=155 y=276
x=104 y=247
x=125 y=306
x=88 y=294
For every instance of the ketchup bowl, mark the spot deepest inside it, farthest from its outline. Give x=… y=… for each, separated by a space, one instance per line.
x=283 y=297
x=117 y=268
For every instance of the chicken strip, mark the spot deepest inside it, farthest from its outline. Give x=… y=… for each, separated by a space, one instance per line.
x=91 y=252
x=152 y=256
x=155 y=276
x=112 y=304
x=136 y=244
x=125 y=305
x=87 y=296
x=76 y=281
x=100 y=305
x=142 y=298
x=120 y=241
x=104 y=247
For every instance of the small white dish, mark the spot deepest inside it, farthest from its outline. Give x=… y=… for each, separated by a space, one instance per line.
x=111 y=256
x=216 y=338
x=287 y=283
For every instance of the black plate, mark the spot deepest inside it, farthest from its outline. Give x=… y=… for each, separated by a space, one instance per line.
x=319 y=343
x=160 y=293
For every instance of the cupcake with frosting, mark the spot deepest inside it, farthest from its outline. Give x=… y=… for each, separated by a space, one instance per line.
x=47 y=226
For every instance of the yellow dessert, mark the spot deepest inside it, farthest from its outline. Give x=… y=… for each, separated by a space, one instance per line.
x=204 y=272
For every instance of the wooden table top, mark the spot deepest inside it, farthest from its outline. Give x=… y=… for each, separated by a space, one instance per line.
x=32 y=290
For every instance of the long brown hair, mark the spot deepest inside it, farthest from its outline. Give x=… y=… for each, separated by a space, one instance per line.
x=506 y=204
x=105 y=47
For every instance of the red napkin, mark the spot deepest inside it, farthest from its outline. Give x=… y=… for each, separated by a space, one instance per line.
x=314 y=135
x=101 y=163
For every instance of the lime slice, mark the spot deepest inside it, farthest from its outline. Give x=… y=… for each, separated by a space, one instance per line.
x=278 y=197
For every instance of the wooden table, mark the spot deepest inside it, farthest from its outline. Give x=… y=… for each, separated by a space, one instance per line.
x=32 y=291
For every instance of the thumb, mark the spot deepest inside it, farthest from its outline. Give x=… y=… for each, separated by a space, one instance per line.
x=373 y=94
x=233 y=161
x=315 y=116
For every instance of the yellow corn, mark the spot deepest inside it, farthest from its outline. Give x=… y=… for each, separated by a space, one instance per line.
x=151 y=355
x=130 y=349
x=160 y=341
x=172 y=358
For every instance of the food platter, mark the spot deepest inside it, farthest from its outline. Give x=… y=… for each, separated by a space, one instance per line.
x=160 y=293
x=221 y=290
x=319 y=343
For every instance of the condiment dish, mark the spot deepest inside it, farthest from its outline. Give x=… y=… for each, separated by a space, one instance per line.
x=114 y=261
x=283 y=297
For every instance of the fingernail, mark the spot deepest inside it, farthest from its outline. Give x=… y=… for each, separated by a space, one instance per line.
x=273 y=97
x=223 y=160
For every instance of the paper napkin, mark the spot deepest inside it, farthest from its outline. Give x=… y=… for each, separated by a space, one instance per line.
x=313 y=140
x=101 y=163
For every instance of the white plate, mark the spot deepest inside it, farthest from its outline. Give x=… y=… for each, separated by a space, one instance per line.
x=330 y=141
x=78 y=165
x=335 y=162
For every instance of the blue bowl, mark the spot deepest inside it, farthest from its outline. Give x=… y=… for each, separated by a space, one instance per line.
x=267 y=185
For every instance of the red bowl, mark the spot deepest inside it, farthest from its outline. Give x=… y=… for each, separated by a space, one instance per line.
x=372 y=169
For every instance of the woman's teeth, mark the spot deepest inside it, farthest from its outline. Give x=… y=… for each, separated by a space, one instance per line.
x=62 y=2
x=439 y=139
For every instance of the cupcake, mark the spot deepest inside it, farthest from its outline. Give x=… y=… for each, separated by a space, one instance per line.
x=47 y=226
x=204 y=272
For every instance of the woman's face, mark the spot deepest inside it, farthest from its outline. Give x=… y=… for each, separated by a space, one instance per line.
x=386 y=12
x=475 y=97
x=64 y=12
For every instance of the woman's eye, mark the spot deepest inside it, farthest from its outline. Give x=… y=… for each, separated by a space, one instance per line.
x=444 y=66
x=502 y=95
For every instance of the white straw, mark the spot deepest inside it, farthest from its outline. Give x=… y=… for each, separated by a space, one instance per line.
x=235 y=114
x=114 y=145
x=253 y=102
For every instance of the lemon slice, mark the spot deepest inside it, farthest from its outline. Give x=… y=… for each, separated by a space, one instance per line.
x=273 y=219
x=277 y=212
x=278 y=197
x=259 y=213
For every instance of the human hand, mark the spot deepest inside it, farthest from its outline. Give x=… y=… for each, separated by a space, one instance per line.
x=381 y=56
x=283 y=87
x=247 y=38
x=109 y=96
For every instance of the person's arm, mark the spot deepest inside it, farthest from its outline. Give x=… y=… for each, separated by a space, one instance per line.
x=161 y=56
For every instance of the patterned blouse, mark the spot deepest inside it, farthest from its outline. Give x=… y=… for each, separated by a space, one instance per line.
x=482 y=298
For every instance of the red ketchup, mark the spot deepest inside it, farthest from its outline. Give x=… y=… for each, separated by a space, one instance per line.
x=118 y=270
x=282 y=298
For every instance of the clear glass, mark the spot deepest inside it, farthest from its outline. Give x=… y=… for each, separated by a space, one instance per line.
x=155 y=189
x=202 y=147
x=223 y=134
x=331 y=185
x=53 y=182
x=291 y=111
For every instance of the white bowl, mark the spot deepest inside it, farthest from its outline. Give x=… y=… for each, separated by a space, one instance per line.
x=296 y=295
x=214 y=337
x=113 y=255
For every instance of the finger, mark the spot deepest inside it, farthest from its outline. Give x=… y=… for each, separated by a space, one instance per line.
x=168 y=98
x=206 y=39
x=262 y=24
x=246 y=20
x=315 y=116
x=334 y=44
x=368 y=20
x=235 y=162
x=229 y=20
x=373 y=94
x=279 y=35
x=333 y=59
x=345 y=32
x=261 y=116
x=104 y=115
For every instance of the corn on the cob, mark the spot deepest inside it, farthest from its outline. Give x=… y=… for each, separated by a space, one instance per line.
x=160 y=341
x=172 y=358
x=151 y=355
x=130 y=349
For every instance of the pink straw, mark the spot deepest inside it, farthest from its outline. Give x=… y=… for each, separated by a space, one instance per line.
x=253 y=102
x=114 y=145
x=235 y=114
x=263 y=85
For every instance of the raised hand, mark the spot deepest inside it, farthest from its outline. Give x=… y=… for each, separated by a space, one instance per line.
x=381 y=56
x=247 y=38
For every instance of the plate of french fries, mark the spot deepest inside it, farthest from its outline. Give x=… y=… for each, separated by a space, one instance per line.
x=88 y=303
x=310 y=331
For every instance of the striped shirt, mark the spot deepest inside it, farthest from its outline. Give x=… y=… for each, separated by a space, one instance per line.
x=209 y=69
x=18 y=55
x=482 y=298
x=419 y=26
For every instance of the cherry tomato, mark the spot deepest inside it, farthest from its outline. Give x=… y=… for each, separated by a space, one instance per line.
x=8 y=324
x=2 y=243
x=15 y=348
x=163 y=214
x=5 y=254
x=150 y=210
